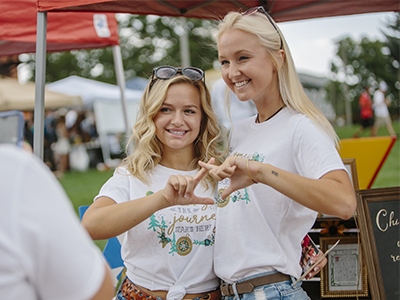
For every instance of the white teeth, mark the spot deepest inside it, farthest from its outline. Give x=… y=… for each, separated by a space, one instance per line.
x=242 y=83
x=178 y=132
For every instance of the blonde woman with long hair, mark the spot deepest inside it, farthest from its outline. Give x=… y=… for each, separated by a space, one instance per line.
x=283 y=167
x=161 y=197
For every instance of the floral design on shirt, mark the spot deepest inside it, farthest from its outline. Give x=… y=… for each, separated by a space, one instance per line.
x=184 y=245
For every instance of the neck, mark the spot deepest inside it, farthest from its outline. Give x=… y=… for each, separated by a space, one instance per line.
x=177 y=159
x=270 y=115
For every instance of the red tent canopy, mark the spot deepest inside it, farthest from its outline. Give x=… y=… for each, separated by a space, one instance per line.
x=281 y=10
x=65 y=31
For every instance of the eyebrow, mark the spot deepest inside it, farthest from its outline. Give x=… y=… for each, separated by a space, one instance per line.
x=186 y=106
x=237 y=52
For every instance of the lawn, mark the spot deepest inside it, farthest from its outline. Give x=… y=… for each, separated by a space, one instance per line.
x=81 y=187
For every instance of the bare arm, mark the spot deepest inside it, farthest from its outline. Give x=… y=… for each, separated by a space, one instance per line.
x=332 y=194
x=105 y=218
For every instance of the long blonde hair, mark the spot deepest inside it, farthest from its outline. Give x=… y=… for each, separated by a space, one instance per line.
x=290 y=87
x=148 y=149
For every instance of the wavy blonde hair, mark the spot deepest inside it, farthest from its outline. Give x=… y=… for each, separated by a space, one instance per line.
x=290 y=87
x=148 y=149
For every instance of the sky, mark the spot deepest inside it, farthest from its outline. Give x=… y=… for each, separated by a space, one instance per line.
x=312 y=42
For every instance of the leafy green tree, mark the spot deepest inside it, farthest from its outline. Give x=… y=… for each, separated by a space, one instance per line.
x=393 y=43
x=145 y=41
x=358 y=64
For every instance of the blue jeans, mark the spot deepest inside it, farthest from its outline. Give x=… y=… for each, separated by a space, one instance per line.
x=281 y=290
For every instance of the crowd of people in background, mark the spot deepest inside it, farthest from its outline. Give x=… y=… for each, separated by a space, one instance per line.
x=64 y=131
x=374 y=112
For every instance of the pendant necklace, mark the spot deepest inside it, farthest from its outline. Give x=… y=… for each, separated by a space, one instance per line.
x=258 y=120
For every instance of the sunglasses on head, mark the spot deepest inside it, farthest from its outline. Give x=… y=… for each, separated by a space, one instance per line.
x=262 y=10
x=166 y=72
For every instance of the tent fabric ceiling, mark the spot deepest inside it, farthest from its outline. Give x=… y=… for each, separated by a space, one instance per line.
x=281 y=10
x=65 y=31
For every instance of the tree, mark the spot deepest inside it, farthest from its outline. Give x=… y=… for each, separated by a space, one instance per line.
x=393 y=43
x=367 y=62
x=146 y=41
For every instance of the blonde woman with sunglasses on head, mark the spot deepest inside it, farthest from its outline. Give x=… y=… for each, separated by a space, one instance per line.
x=283 y=166
x=161 y=197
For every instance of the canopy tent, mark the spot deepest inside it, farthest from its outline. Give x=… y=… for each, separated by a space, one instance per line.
x=16 y=96
x=280 y=10
x=66 y=31
x=91 y=90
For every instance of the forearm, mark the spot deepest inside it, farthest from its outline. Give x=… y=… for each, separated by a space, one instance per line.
x=332 y=194
x=105 y=219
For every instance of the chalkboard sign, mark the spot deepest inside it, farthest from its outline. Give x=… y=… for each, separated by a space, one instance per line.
x=378 y=214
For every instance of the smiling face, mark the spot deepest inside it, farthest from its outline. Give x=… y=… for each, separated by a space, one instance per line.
x=179 y=119
x=246 y=67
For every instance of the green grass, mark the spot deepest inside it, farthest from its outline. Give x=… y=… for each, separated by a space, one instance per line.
x=81 y=187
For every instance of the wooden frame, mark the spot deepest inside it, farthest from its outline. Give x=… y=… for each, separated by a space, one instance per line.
x=350 y=164
x=345 y=274
x=378 y=212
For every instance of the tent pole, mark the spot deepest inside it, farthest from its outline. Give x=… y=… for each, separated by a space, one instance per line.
x=40 y=72
x=119 y=71
x=184 y=44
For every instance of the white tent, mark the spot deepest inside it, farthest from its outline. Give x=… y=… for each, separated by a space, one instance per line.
x=91 y=90
x=105 y=100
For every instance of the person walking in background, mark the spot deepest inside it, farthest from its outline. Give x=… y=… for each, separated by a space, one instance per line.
x=61 y=147
x=160 y=197
x=366 y=112
x=382 y=116
x=282 y=170
x=44 y=251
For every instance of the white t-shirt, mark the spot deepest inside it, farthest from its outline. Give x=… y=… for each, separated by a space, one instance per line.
x=44 y=251
x=380 y=107
x=173 y=249
x=259 y=229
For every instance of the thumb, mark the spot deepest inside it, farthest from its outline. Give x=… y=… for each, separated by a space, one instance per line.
x=227 y=192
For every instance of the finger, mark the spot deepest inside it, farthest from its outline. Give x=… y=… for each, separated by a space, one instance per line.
x=200 y=200
x=229 y=190
x=174 y=182
x=207 y=166
x=181 y=186
x=190 y=186
x=203 y=171
x=219 y=173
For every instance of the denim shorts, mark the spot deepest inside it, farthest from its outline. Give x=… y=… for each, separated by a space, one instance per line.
x=281 y=290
